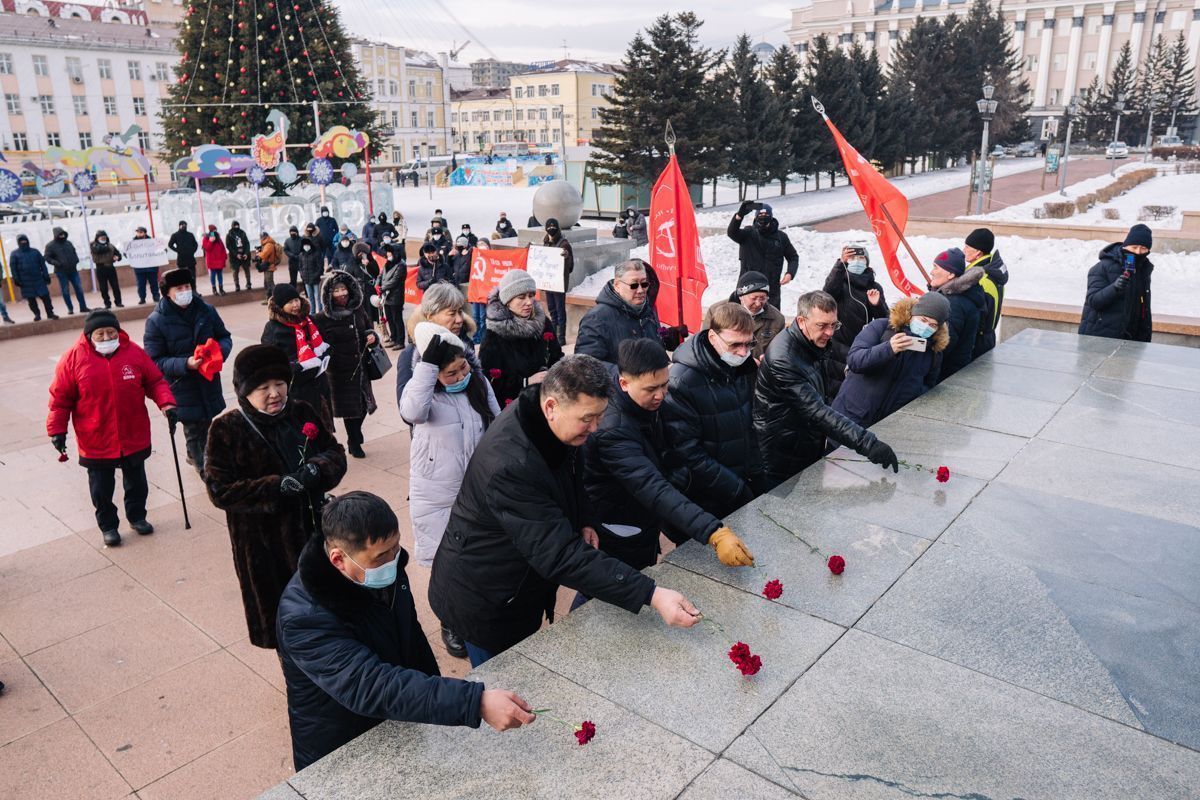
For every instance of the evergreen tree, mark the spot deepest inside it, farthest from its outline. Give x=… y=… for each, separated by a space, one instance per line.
x=1092 y=120
x=987 y=55
x=831 y=78
x=664 y=77
x=240 y=62
x=871 y=88
x=1150 y=97
x=760 y=131
x=1120 y=87
x=783 y=79
x=939 y=116
x=1179 y=83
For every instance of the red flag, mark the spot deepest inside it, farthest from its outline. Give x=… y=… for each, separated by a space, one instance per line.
x=488 y=267
x=675 y=251
x=876 y=195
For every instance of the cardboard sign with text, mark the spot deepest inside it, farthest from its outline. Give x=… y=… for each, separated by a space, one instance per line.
x=545 y=266
x=146 y=253
x=488 y=267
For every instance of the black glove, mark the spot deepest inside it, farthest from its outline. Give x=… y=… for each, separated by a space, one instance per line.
x=437 y=351
x=745 y=208
x=59 y=440
x=673 y=337
x=1121 y=282
x=310 y=476
x=883 y=455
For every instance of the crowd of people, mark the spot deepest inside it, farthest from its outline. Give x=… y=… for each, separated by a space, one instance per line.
x=529 y=469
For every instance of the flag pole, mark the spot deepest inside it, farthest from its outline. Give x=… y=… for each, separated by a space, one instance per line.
x=669 y=138
x=820 y=109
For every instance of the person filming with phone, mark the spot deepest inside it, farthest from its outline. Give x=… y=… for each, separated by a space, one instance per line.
x=896 y=360
x=1117 y=305
x=764 y=248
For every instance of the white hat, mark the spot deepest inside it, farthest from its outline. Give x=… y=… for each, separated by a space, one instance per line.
x=424 y=332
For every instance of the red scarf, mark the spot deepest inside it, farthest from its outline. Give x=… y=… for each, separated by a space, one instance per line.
x=309 y=344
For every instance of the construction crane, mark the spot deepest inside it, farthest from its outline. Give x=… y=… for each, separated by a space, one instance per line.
x=455 y=50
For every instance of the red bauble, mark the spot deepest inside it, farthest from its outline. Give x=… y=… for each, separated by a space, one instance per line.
x=243 y=91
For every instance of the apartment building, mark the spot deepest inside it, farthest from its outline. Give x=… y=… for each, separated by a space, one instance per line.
x=410 y=95
x=488 y=73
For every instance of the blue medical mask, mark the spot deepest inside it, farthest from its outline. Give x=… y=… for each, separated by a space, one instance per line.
x=922 y=330
x=379 y=577
x=857 y=266
x=454 y=388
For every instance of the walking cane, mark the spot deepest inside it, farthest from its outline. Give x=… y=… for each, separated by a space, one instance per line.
x=187 y=524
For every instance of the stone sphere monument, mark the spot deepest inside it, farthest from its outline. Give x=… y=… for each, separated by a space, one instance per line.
x=558 y=200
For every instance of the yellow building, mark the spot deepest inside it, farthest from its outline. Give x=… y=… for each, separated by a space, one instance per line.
x=554 y=103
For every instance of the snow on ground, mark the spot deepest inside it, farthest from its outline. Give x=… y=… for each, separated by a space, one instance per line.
x=1182 y=191
x=1044 y=270
x=478 y=206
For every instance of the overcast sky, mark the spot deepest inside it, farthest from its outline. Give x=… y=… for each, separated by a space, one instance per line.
x=523 y=30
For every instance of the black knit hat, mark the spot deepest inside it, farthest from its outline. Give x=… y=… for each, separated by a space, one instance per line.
x=100 y=318
x=1140 y=234
x=751 y=282
x=175 y=277
x=257 y=364
x=982 y=240
x=284 y=293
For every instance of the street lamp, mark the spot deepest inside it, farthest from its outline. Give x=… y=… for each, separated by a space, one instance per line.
x=987 y=110
x=1176 y=102
x=1072 y=110
x=1119 y=105
x=1155 y=99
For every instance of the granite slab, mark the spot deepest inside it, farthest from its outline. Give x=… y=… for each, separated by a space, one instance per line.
x=724 y=779
x=1161 y=353
x=629 y=757
x=874 y=719
x=1126 y=432
x=1177 y=406
x=283 y=791
x=973 y=451
x=1117 y=481
x=792 y=543
x=1019 y=416
x=1080 y=361
x=1066 y=342
x=995 y=616
x=1126 y=367
x=1009 y=379
x=682 y=679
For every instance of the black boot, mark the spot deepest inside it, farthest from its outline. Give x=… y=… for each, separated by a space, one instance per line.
x=454 y=643
x=111 y=538
x=143 y=527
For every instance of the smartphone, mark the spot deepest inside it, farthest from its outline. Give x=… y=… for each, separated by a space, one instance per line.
x=1130 y=263
x=918 y=344
x=757 y=206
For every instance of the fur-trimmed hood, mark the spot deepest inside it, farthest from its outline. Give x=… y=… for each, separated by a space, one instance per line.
x=902 y=314
x=963 y=283
x=277 y=314
x=333 y=279
x=506 y=324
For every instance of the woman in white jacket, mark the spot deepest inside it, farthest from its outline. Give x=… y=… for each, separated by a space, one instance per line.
x=449 y=403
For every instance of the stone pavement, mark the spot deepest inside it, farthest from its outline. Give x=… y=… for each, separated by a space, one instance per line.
x=1027 y=629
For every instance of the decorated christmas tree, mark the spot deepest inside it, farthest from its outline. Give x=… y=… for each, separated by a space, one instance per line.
x=241 y=60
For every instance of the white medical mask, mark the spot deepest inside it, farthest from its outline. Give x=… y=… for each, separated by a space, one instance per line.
x=378 y=577
x=107 y=348
x=307 y=248
x=183 y=298
x=857 y=266
x=733 y=359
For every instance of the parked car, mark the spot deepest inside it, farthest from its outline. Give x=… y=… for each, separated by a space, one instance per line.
x=1117 y=150
x=1169 y=141
x=1027 y=150
x=56 y=207
x=998 y=151
x=17 y=210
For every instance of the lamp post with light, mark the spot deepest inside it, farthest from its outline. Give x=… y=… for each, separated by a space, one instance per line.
x=987 y=110
x=1072 y=110
x=1119 y=105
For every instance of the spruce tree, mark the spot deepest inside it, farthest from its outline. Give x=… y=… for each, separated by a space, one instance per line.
x=1179 y=83
x=1150 y=97
x=939 y=118
x=759 y=136
x=831 y=78
x=988 y=56
x=1120 y=86
x=1092 y=120
x=240 y=62
x=869 y=78
x=665 y=76
x=783 y=79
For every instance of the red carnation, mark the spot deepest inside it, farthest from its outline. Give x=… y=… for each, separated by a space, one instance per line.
x=773 y=590
x=548 y=336
x=750 y=666
x=493 y=373
x=837 y=564
x=739 y=652
x=310 y=430
x=585 y=732
x=943 y=474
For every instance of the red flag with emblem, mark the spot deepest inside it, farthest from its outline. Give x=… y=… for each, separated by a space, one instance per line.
x=488 y=266
x=675 y=251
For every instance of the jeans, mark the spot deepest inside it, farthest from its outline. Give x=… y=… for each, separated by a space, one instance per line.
x=195 y=435
x=148 y=277
x=313 y=290
x=479 y=314
x=556 y=304
x=67 y=280
x=477 y=655
x=102 y=482
x=3 y=308
x=216 y=279
x=107 y=278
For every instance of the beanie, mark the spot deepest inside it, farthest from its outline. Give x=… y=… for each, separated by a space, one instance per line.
x=284 y=293
x=101 y=318
x=515 y=282
x=462 y=241
x=934 y=305
x=952 y=261
x=257 y=364
x=1140 y=234
x=175 y=277
x=424 y=332
x=982 y=239
x=751 y=282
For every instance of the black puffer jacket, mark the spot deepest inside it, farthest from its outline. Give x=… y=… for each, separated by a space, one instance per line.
x=353 y=657
x=625 y=464
x=854 y=312
x=710 y=426
x=967 y=307
x=431 y=272
x=60 y=254
x=515 y=535
x=345 y=330
x=1110 y=312
x=764 y=251
x=791 y=417
x=183 y=243
x=172 y=334
x=237 y=244
x=311 y=261
x=612 y=321
x=514 y=349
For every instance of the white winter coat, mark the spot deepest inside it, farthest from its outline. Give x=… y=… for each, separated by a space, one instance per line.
x=445 y=432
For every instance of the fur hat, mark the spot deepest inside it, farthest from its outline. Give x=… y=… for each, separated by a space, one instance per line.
x=515 y=282
x=100 y=318
x=175 y=277
x=952 y=260
x=257 y=364
x=934 y=305
x=359 y=249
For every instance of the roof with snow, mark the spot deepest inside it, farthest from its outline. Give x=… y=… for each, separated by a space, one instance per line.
x=74 y=33
x=457 y=96
x=905 y=5
x=569 y=65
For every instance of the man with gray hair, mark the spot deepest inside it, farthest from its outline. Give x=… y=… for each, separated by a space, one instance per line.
x=522 y=525
x=624 y=310
x=791 y=417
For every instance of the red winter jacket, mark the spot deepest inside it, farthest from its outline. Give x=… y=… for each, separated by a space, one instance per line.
x=107 y=398
x=214 y=253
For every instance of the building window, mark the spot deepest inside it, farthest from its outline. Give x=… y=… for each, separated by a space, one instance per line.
x=413 y=117
x=104 y=69
x=143 y=140
x=541 y=90
x=412 y=91
x=520 y=115
x=397 y=155
x=110 y=106
x=595 y=113
x=1124 y=23
x=518 y=92
x=393 y=88
x=541 y=113
x=554 y=90
x=556 y=112
x=46 y=102
x=74 y=68
x=12 y=103
x=453 y=117
x=162 y=72
x=380 y=85
x=85 y=140
x=395 y=119
x=1031 y=63
x=508 y=115
x=6 y=64
x=1093 y=24
x=80 y=102
x=429 y=119
x=1052 y=97
x=53 y=139
x=555 y=135
x=429 y=88
x=20 y=142
x=1177 y=20
x=416 y=151
x=433 y=150
x=139 y=106
x=1089 y=60
x=40 y=67
x=135 y=70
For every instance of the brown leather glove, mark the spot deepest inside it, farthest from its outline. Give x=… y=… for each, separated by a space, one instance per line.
x=731 y=551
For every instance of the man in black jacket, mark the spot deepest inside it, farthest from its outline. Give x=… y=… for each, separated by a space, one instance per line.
x=184 y=245
x=968 y=304
x=980 y=251
x=860 y=300
x=763 y=247
x=237 y=244
x=505 y=228
x=293 y=246
x=625 y=462
x=791 y=417
x=1117 y=304
x=522 y=523
x=352 y=650
x=60 y=254
x=624 y=310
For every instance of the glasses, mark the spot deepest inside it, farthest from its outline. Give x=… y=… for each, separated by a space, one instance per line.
x=832 y=327
x=743 y=345
x=638 y=284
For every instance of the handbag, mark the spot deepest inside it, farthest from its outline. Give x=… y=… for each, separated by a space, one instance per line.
x=377 y=363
